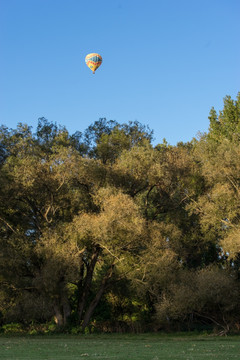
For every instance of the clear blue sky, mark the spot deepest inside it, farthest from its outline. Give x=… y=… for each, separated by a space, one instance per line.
x=165 y=63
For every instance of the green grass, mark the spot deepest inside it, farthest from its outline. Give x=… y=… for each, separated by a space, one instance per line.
x=120 y=347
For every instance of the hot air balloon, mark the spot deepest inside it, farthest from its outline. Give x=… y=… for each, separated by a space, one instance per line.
x=93 y=61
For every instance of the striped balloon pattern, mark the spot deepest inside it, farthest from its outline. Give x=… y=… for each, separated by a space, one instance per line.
x=93 y=61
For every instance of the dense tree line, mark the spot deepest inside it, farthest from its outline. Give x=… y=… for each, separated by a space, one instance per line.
x=103 y=230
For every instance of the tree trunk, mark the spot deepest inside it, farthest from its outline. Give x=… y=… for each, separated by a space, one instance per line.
x=66 y=312
x=94 y=303
x=58 y=317
x=62 y=308
x=85 y=286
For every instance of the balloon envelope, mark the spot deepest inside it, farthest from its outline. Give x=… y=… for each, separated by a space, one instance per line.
x=93 y=61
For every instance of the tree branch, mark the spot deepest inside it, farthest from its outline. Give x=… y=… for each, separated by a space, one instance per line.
x=8 y=225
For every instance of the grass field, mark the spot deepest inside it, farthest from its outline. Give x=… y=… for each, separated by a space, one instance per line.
x=121 y=347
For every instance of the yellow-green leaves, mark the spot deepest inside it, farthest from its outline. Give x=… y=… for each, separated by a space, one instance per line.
x=115 y=227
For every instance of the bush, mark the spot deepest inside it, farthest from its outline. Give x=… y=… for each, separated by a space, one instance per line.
x=13 y=328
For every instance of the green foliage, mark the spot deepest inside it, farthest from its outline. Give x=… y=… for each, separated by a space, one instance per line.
x=226 y=125
x=13 y=328
x=103 y=231
x=219 y=155
x=210 y=295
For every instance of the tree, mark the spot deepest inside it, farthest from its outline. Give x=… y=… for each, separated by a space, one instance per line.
x=109 y=239
x=102 y=218
x=45 y=184
x=64 y=232
x=219 y=155
x=164 y=181
x=209 y=296
x=107 y=139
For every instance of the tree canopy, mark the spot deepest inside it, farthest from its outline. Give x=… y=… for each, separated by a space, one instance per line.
x=103 y=230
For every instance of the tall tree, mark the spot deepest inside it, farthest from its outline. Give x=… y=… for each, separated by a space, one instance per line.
x=219 y=155
x=63 y=231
